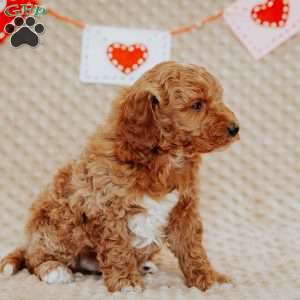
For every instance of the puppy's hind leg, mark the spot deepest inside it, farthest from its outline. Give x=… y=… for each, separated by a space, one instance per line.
x=48 y=260
x=47 y=266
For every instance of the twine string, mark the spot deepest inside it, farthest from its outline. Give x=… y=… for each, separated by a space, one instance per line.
x=197 y=25
x=173 y=32
x=65 y=19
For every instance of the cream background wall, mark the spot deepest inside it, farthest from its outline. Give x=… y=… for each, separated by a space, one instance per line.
x=250 y=194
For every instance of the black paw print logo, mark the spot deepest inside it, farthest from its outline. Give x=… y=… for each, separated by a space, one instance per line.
x=24 y=31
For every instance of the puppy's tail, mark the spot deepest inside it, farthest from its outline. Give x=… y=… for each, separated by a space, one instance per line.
x=13 y=262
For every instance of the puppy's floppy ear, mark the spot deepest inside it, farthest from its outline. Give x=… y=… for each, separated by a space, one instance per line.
x=137 y=131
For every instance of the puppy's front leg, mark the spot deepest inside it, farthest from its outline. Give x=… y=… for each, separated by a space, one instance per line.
x=184 y=237
x=119 y=267
x=117 y=258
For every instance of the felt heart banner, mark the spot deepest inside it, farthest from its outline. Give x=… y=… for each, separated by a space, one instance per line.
x=119 y=55
x=263 y=26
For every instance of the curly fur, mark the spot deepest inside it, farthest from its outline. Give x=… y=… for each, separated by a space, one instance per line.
x=150 y=146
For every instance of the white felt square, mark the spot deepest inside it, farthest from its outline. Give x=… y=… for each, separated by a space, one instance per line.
x=98 y=67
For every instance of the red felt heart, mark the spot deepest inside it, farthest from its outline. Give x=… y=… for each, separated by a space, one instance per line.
x=127 y=58
x=4 y=19
x=272 y=13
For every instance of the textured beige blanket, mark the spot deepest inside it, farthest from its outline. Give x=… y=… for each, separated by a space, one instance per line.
x=250 y=194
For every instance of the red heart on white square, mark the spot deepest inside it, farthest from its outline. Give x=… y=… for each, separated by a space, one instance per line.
x=127 y=58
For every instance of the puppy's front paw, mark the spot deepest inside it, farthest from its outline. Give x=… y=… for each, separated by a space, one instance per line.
x=205 y=280
x=202 y=282
x=130 y=289
x=131 y=284
x=221 y=278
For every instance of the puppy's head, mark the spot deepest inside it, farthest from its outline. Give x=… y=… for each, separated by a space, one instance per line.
x=175 y=106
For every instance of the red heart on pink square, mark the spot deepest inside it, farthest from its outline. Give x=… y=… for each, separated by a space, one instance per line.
x=272 y=13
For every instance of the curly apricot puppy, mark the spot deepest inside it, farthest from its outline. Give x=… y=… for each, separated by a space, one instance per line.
x=134 y=186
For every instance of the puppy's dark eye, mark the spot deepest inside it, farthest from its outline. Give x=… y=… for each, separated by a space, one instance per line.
x=197 y=105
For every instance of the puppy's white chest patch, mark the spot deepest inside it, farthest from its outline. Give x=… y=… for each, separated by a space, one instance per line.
x=148 y=227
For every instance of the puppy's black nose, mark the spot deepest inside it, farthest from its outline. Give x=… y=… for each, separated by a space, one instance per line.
x=233 y=129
